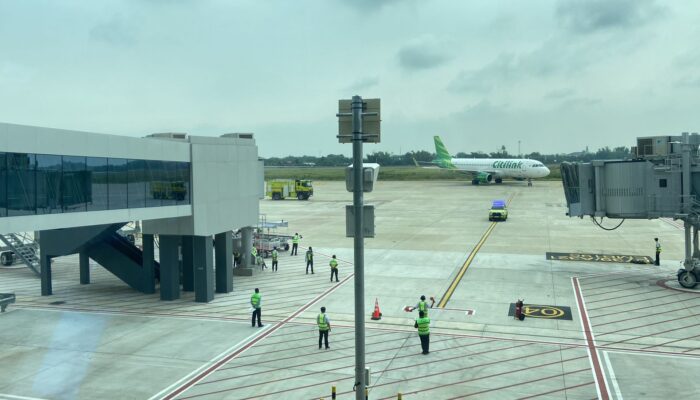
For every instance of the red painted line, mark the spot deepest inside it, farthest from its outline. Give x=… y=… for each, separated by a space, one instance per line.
x=647 y=325
x=629 y=295
x=638 y=317
x=492 y=376
x=601 y=385
x=655 y=333
x=633 y=301
x=192 y=381
x=613 y=291
x=557 y=390
x=662 y=283
x=518 y=384
x=646 y=307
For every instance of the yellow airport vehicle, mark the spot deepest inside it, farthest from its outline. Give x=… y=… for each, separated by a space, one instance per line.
x=280 y=189
x=498 y=211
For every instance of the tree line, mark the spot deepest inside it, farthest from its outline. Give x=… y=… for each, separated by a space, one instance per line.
x=387 y=159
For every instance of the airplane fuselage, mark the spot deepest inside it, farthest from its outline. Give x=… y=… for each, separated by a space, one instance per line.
x=521 y=168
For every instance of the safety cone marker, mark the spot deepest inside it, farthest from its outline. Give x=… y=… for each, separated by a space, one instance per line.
x=376 y=315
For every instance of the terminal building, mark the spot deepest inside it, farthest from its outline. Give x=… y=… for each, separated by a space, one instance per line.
x=75 y=190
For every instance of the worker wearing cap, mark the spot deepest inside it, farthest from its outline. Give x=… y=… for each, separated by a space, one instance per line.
x=658 y=252
x=256 y=303
x=310 y=260
x=295 y=244
x=422 y=306
x=274 y=259
x=324 y=326
x=423 y=325
x=334 y=268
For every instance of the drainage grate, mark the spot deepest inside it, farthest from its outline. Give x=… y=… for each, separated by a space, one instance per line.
x=57 y=303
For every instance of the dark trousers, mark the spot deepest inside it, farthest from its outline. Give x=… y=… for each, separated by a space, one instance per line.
x=309 y=264
x=321 y=336
x=257 y=312
x=334 y=271
x=295 y=248
x=274 y=265
x=425 y=343
x=658 y=261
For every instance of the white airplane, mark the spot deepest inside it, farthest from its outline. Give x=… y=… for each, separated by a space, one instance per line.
x=486 y=170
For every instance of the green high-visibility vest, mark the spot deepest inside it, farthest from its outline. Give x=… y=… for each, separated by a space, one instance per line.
x=658 y=248
x=295 y=239
x=309 y=256
x=254 y=251
x=274 y=255
x=321 y=321
x=334 y=263
x=255 y=300
x=423 y=306
x=423 y=326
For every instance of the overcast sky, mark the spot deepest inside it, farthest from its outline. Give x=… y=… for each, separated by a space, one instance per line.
x=556 y=75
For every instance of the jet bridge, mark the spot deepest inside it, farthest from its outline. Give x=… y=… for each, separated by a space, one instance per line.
x=660 y=180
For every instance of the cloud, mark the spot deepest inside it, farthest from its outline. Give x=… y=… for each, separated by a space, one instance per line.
x=424 y=53
x=589 y=16
x=559 y=94
x=368 y=6
x=115 y=32
x=688 y=83
x=362 y=84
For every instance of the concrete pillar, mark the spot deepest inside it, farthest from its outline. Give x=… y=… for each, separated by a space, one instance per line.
x=84 y=268
x=169 y=267
x=203 y=269
x=247 y=244
x=46 y=287
x=187 y=264
x=149 y=264
x=224 y=262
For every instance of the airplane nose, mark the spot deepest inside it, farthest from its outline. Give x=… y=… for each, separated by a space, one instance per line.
x=547 y=171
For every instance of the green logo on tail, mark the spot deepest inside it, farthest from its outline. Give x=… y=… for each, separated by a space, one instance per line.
x=444 y=159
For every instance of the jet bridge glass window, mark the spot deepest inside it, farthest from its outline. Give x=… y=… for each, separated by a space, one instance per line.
x=3 y=185
x=48 y=184
x=663 y=183
x=21 y=184
x=136 y=183
x=117 y=183
x=75 y=187
x=97 y=170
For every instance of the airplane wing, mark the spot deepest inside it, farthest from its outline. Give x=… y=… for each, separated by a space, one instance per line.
x=425 y=164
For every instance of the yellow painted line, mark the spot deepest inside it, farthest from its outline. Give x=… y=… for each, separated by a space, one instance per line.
x=450 y=290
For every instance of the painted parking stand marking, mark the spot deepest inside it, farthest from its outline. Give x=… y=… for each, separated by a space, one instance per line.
x=467 y=311
x=543 y=311
x=594 y=359
x=609 y=258
x=613 y=378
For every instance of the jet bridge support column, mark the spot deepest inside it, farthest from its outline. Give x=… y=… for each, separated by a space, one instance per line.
x=188 y=263
x=203 y=269
x=223 y=251
x=149 y=263
x=84 y=261
x=169 y=267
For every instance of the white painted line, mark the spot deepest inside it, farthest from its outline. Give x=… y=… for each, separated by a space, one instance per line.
x=616 y=387
x=13 y=397
x=210 y=362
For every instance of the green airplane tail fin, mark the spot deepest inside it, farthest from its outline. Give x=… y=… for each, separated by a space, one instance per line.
x=444 y=159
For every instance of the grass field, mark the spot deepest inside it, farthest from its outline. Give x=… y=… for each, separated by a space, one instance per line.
x=385 y=173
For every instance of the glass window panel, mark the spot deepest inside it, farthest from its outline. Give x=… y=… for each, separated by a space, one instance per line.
x=48 y=184
x=117 y=183
x=21 y=184
x=157 y=189
x=97 y=175
x=176 y=187
x=3 y=185
x=137 y=183
x=183 y=179
x=75 y=190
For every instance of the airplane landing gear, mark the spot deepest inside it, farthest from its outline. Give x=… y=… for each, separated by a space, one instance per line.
x=687 y=279
x=475 y=181
x=529 y=182
x=499 y=180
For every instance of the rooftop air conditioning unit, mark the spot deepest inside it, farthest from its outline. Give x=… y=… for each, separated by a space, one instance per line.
x=169 y=135
x=238 y=135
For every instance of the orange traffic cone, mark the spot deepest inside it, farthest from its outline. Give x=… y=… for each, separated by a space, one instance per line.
x=376 y=315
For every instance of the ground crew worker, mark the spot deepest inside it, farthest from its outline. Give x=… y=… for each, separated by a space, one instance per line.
x=309 y=260
x=256 y=303
x=236 y=259
x=423 y=325
x=324 y=326
x=422 y=306
x=334 y=268
x=274 y=259
x=658 y=252
x=295 y=244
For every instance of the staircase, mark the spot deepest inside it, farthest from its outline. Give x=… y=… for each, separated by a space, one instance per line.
x=25 y=247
